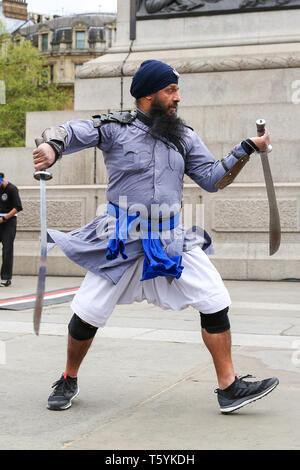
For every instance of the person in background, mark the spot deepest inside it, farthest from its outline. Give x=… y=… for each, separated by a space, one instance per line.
x=10 y=205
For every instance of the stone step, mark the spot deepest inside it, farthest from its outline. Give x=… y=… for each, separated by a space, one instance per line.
x=242 y=262
x=27 y=261
x=252 y=261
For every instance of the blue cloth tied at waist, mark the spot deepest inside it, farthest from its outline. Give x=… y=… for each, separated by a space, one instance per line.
x=157 y=262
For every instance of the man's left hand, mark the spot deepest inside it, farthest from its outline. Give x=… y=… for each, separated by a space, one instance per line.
x=262 y=142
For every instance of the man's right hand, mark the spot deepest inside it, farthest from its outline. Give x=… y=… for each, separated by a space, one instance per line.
x=263 y=141
x=43 y=157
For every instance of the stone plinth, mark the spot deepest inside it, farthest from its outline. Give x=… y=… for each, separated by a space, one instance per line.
x=235 y=68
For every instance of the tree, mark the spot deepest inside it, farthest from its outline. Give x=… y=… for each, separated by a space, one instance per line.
x=27 y=89
x=3 y=36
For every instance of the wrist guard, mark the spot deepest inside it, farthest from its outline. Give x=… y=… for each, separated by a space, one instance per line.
x=57 y=149
x=249 y=146
x=55 y=137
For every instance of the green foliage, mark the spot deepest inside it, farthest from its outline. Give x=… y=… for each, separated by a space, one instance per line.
x=3 y=35
x=27 y=89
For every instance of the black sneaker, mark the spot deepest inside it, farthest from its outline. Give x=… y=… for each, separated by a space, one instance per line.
x=65 y=390
x=241 y=393
x=5 y=283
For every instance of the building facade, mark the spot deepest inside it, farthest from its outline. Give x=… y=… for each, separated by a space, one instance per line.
x=67 y=42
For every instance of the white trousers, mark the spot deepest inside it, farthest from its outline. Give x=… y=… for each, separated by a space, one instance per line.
x=200 y=286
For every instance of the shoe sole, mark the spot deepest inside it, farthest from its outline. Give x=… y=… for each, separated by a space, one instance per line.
x=247 y=402
x=65 y=407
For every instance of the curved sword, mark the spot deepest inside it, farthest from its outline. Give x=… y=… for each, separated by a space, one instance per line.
x=274 y=218
x=42 y=176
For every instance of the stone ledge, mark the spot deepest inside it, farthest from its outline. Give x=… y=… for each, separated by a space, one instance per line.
x=27 y=261
x=233 y=261
x=252 y=262
x=198 y=60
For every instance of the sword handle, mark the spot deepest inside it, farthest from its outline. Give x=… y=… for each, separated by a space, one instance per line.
x=260 y=128
x=42 y=174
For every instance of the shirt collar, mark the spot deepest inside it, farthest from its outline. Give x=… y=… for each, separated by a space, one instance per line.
x=144 y=118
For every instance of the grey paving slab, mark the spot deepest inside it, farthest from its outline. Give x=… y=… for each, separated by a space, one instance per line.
x=117 y=375
x=251 y=291
x=264 y=325
x=186 y=417
x=25 y=285
x=265 y=291
x=146 y=383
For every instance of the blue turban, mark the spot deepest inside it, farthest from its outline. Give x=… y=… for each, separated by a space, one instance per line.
x=151 y=77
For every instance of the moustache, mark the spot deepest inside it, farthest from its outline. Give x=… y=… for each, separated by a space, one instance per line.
x=173 y=106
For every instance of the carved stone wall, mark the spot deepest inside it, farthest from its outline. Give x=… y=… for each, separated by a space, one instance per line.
x=61 y=215
x=252 y=215
x=149 y=9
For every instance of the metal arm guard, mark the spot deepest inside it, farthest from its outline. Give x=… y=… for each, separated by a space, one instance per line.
x=55 y=137
x=231 y=174
x=121 y=117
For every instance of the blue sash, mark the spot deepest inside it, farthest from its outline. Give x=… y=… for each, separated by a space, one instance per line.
x=157 y=262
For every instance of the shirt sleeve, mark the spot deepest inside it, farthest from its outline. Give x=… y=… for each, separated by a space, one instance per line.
x=15 y=199
x=203 y=168
x=82 y=134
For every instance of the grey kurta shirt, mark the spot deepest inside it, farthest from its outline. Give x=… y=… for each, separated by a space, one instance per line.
x=145 y=170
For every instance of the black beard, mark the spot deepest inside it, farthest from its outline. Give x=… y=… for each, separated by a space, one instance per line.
x=164 y=124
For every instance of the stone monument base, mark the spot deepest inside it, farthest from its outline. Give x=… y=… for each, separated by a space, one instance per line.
x=224 y=91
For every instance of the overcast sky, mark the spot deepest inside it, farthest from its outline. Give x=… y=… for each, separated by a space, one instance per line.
x=63 y=7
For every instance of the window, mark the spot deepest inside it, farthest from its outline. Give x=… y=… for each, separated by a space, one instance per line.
x=80 y=39
x=109 y=37
x=44 y=42
x=45 y=76
x=51 y=73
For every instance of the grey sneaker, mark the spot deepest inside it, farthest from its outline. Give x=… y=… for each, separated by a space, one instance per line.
x=241 y=393
x=65 y=390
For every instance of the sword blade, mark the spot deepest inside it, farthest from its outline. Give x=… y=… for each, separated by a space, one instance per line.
x=43 y=260
x=274 y=218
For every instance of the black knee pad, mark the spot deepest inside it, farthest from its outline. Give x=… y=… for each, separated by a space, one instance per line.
x=215 y=322
x=80 y=330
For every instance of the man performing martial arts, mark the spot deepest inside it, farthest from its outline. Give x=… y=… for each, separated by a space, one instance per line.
x=138 y=250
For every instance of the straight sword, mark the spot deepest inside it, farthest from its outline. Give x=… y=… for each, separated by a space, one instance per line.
x=274 y=218
x=42 y=176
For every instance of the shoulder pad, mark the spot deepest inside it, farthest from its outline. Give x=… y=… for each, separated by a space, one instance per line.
x=121 y=117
